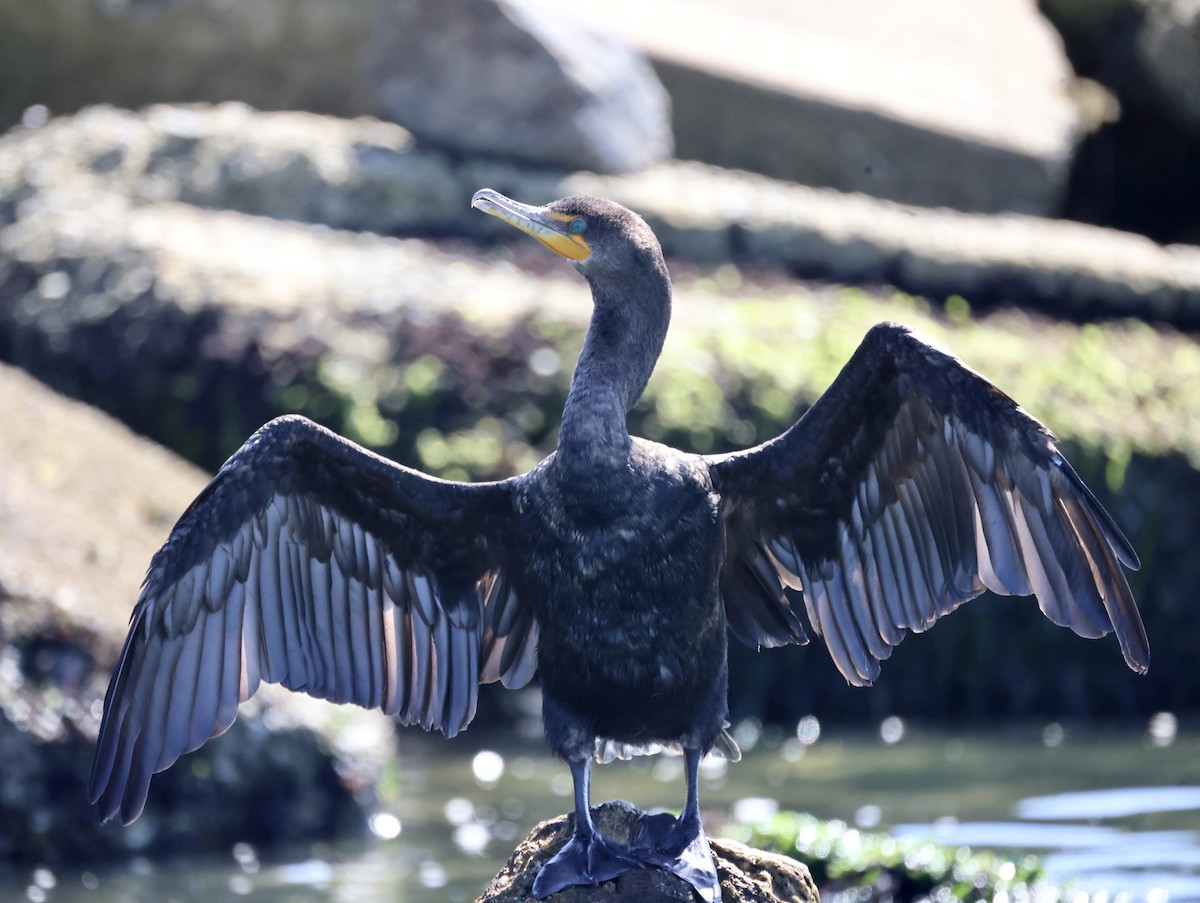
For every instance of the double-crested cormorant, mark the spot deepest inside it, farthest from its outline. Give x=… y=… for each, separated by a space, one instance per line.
x=615 y=567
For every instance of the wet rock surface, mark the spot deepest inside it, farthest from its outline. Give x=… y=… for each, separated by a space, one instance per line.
x=747 y=875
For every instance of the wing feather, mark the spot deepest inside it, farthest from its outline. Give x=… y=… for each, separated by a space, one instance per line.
x=371 y=642
x=306 y=583
x=854 y=576
x=509 y=649
x=903 y=559
x=875 y=587
x=206 y=692
x=420 y=636
x=157 y=694
x=519 y=659
x=891 y=593
x=177 y=723
x=394 y=663
x=442 y=652
x=844 y=610
x=336 y=687
x=923 y=564
x=1118 y=599
x=273 y=631
x=228 y=698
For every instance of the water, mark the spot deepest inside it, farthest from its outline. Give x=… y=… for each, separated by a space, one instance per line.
x=1119 y=813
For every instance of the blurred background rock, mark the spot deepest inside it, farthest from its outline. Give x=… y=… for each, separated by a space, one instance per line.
x=1091 y=111
x=214 y=212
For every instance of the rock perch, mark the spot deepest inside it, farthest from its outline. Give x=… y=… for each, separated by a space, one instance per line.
x=747 y=875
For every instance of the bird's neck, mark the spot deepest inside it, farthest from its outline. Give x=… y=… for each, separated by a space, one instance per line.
x=623 y=343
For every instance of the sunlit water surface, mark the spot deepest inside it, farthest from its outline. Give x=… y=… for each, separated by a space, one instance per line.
x=1118 y=813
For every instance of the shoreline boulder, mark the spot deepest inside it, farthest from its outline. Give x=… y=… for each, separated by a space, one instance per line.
x=516 y=79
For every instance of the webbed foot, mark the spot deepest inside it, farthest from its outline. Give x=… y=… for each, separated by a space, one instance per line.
x=586 y=859
x=680 y=847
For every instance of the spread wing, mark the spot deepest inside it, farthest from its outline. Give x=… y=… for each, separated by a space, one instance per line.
x=311 y=562
x=908 y=488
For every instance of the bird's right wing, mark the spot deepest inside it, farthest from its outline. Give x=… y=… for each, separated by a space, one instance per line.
x=311 y=562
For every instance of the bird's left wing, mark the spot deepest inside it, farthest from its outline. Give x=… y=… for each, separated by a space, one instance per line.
x=908 y=488
x=311 y=562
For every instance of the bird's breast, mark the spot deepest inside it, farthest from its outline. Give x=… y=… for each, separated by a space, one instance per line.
x=623 y=579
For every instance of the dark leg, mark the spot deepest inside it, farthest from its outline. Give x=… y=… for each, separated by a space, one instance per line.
x=588 y=857
x=679 y=845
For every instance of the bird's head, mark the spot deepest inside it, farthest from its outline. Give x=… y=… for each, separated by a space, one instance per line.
x=597 y=236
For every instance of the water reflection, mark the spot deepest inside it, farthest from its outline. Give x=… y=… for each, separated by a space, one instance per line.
x=891 y=730
x=1012 y=835
x=310 y=872
x=487 y=766
x=754 y=810
x=1163 y=728
x=1115 y=803
x=433 y=874
x=384 y=825
x=808 y=731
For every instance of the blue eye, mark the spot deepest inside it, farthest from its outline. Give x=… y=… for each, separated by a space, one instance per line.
x=578 y=225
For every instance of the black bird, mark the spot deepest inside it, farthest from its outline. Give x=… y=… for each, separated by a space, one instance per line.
x=615 y=567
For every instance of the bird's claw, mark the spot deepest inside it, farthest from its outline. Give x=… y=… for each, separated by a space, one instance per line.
x=679 y=847
x=584 y=860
